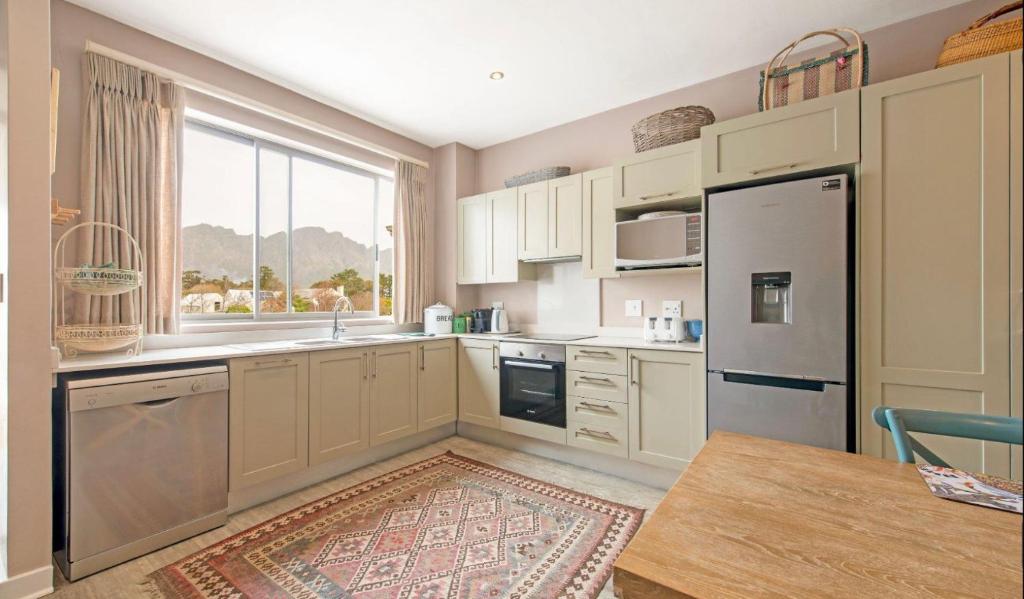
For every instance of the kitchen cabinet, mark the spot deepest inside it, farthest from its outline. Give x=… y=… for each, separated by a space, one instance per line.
x=339 y=403
x=471 y=234
x=935 y=295
x=487 y=240
x=533 y=221
x=658 y=177
x=479 y=383
x=809 y=135
x=565 y=216
x=393 y=392
x=437 y=383
x=268 y=418
x=666 y=407
x=598 y=245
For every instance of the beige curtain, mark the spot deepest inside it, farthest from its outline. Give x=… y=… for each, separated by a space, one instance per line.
x=131 y=151
x=414 y=267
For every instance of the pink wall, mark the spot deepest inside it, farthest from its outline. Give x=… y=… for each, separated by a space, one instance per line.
x=598 y=140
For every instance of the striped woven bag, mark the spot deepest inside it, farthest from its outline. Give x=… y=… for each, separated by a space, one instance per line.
x=842 y=69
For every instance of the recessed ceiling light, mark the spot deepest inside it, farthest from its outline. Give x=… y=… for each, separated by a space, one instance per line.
x=496 y=75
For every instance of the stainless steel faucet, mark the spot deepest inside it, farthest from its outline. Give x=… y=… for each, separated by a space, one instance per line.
x=339 y=327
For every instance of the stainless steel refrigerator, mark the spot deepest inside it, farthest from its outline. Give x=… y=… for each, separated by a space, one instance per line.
x=778 y=311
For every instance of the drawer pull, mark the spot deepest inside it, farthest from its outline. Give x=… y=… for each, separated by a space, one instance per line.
x=594 y=352
x=603 y=381
x=659 y=195
x=597 y=407
x=586 y=432
x=778 y=167
x=268 y=362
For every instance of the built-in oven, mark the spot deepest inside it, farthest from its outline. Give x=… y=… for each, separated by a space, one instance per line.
x=533 y=382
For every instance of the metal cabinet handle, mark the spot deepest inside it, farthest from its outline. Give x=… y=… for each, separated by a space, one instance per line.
x=278 y=361
x=634 y=371
x=423 y=359
x=659 y=195
x=598 y=407
x=366 y=366
x=374 y=364
x=494 y=359
x=597 y=434
x=777 y=167
x=604 y=381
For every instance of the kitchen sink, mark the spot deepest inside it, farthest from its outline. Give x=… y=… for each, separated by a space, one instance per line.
x=317 y=342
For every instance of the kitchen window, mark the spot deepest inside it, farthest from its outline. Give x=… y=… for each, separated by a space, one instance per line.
x=271 y=232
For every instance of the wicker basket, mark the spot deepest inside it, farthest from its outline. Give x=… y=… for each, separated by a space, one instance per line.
x=99 y=281
x=541 y=174
x=671 y=127
x=981 y=39
x=73 y=339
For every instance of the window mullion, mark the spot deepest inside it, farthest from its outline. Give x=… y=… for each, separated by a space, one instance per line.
x=257 y=291
x=376 y=247
x=289 y=281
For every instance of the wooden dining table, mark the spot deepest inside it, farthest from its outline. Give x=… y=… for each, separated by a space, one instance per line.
x=752 y=517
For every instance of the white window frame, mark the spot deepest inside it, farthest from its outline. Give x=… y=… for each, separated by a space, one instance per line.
x=257 y=318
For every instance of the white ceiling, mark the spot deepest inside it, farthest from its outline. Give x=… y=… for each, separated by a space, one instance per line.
x=421 y=67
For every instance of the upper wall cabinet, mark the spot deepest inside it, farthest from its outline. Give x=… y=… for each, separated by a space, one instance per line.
x=487 y=249
x=551 y=219
x=812 y=134
x=656 y=177
x=936 y=252
x=598 y=225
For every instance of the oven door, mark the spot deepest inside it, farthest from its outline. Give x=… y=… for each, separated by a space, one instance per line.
x=533 y=390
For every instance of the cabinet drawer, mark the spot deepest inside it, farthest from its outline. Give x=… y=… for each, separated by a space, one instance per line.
x=649 y=179
x=596 y=385
x=809 y=135
x=597 y=412
x=605 y=439
x=609 y=360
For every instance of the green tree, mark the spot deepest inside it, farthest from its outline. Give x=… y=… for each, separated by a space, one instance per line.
x=239 y=309
x=189 y=279
x=301 y=304
x=269 y=280
x=386 y=285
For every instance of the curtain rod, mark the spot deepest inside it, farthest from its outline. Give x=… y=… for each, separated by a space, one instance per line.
x=247 y=103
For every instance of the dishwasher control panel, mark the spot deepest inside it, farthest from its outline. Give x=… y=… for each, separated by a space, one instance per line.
x=148 y=388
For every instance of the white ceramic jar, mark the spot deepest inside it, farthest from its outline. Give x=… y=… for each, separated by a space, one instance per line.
x=437 y=320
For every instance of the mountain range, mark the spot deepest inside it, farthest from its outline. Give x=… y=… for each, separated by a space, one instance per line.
x=316 y=254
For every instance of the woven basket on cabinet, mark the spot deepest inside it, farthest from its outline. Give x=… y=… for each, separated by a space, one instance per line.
x=671 y=126
x=541 y=174
x=981 y=39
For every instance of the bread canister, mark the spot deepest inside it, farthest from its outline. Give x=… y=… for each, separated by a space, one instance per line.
x=437 y=319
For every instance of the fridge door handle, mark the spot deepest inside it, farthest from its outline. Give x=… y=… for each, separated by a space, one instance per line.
x=774 y=380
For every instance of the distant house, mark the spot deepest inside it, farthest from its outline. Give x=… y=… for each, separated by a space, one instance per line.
x=202 y=303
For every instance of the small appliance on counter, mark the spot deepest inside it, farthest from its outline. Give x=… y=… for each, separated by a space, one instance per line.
x=437 y=319
x=665 y=329
x=663 y=239
x=462 y=324
x=694 y=329
x=499 y=318
x=481 y=320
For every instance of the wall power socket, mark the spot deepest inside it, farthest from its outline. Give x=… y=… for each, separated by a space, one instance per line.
x=671 y=308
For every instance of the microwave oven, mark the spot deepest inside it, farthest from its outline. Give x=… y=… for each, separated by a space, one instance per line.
x=659 y=241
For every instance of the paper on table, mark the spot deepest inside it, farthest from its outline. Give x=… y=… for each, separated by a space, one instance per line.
x=967 y=487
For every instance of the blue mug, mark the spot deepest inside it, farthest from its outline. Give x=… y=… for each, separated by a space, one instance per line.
x=694 y=329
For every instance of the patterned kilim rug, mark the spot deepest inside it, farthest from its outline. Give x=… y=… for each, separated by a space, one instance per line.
x=447 y=527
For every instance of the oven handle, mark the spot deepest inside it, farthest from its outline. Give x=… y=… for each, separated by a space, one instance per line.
x=529 y=365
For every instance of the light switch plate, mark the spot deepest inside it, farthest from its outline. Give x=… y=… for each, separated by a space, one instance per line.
x=634 y=307
x=672 y=308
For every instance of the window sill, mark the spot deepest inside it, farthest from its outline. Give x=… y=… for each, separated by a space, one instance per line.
x=227 y=326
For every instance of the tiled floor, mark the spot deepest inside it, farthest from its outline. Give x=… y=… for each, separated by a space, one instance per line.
x=123 y=580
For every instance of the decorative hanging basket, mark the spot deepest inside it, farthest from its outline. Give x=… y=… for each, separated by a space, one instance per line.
x=982 y=38
x=99 y=281
x=672 y=126
x=541 y=174
x=73 y=339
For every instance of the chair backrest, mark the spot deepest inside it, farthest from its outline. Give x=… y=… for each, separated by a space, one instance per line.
x=900 y=422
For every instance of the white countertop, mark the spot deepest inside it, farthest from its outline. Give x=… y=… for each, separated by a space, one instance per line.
x=154 y=357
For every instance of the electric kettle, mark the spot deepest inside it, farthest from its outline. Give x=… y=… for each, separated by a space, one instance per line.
x=499 y=321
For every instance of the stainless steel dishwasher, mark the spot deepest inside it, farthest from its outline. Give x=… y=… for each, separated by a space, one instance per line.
x=141 y=462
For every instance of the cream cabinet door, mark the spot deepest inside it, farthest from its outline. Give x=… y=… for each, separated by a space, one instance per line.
x=533 y=221
x=393 y=392
x=268 y=416
x=935 y=251
x=471 y=240
x=598 y=225
x=438 y=383
x=809 y=135
x=667 y=419
x=565 y=216
x=479 y=383
x=339 y=403
x=502 y=237
x=649 y=179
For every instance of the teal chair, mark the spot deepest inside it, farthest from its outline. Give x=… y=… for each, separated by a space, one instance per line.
x=900 y=422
